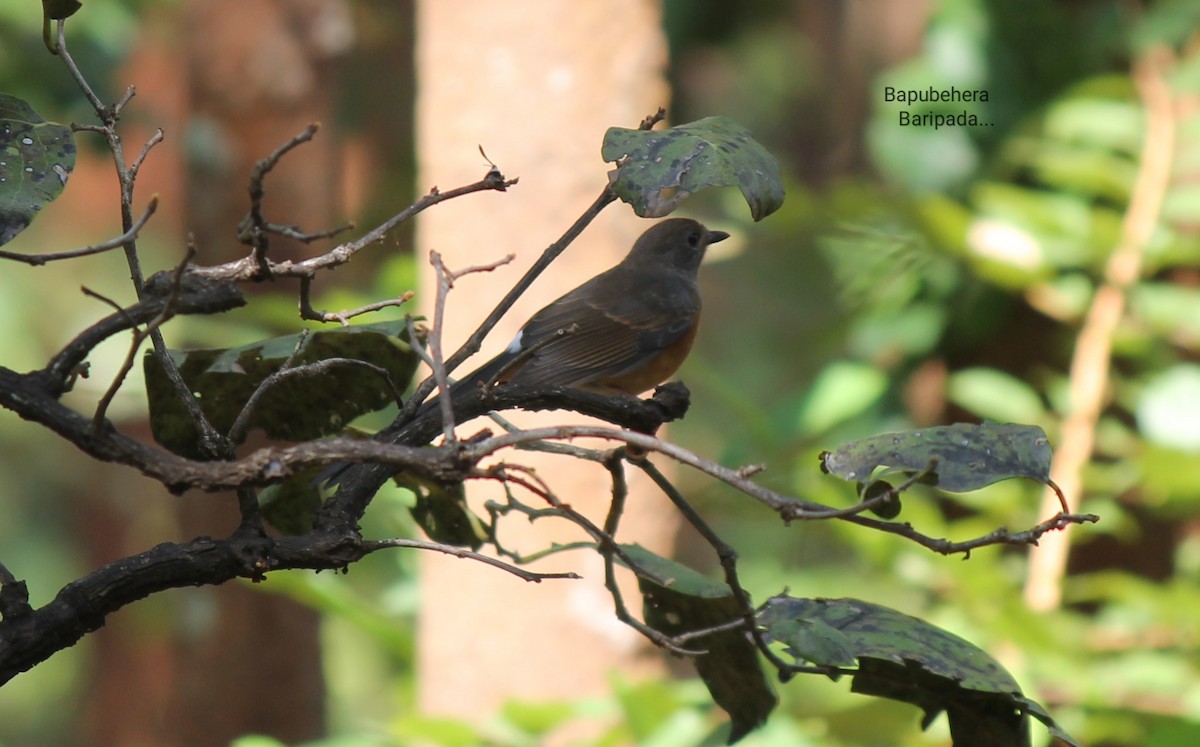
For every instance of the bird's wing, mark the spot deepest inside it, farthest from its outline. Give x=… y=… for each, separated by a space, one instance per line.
x=585 y=337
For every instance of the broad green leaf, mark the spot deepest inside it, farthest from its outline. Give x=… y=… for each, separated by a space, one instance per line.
x=841 y=391
x=1114 y=124
x=686 y=601
x=1092 y=172
x=36 y=158
x=538 y=718
x=1167 y=310
x=968 y=457
x=921 y=159
x=297 y=408
x=1181 y=203
x=658 y=169
x=676 y=576
x=1168 y=411
x=905 y=658
x=994 y=394
x=815 y=641
x=877 y=632
x=1166 y=23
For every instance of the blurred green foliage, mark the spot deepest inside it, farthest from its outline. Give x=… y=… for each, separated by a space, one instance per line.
x=914 y=276
x=964 y=260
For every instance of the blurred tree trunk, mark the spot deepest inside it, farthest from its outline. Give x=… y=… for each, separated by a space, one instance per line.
x=536 y=85
x=229 y=82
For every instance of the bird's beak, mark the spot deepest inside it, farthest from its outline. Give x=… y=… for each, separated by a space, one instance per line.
x=715 y=236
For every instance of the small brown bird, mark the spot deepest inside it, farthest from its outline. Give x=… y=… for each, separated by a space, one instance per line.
x=624 y=331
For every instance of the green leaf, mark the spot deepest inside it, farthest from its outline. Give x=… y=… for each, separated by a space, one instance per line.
x=1167 y=310
x=36 y=158
x=994 y=394
x=537 y=718
x=1033 y=708
x=905 y=658
x=442 y=512
x=291 y=505
x=676 y=576
x=297 y=408
x=815 y=641
x=1168 y=411
x=682 y=601
x=56 y=10
x=871 y=631
x=661 y=168
x=968 y=457
x=1109 y=123
x=841 y=391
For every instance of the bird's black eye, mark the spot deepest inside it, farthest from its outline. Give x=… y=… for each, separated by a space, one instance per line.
x=693 y=239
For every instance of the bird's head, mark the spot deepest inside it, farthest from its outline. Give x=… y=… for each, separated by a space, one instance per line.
x=676 y=242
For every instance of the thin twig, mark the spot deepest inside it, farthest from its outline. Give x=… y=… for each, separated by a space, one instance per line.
x=126 y=97
x=307 y=237
x=607 y=548
x=316 y=368
x=237 y=431
x=789 y=508
x=253 y=230
x=246 y=269
x=1001 y=536
x=726 y=555
x=445 y=281
x=40 y=259
x=136 y=166
x=102 y=110
x=344 y=316
x=139 y=336
x=108 y=116
x=210 y=439
x=461 y=552
x=120 y=310
x=605 y=544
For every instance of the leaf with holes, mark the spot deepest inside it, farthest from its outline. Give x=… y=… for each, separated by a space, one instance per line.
x=36 y=157
x=658 y=169
x=959 y=457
